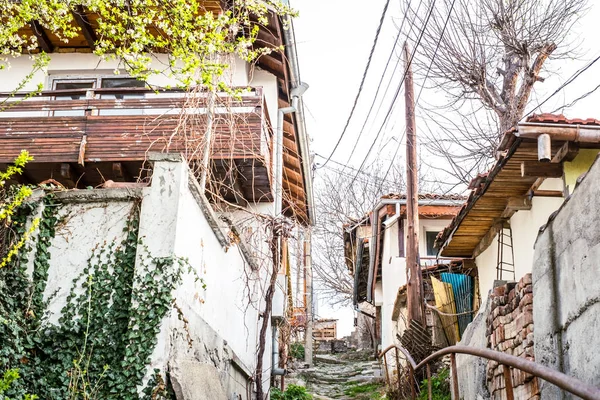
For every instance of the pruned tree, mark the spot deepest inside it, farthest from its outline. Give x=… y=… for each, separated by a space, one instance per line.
x=485 y=56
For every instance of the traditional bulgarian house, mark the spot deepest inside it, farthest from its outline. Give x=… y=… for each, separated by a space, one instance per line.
x=538 y=166
x=186 y=255
x=375 y=257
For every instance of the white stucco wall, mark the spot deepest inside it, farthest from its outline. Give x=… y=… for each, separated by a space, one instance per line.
x=172 y=217
x=223 y=321
x=394 y=272
x=525 y=225
x=87 y=64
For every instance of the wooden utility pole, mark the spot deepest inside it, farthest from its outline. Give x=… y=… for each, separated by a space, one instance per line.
x=414 y=276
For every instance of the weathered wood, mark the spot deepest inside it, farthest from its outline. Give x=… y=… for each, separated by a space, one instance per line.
x=415 y=297
x=508 y=383
x=519 y=203
x=454 y=372
x=488 y=238
x=38 y=31
x=541 y=169
x=86 y=28
x=567 y=152
x=548 y=193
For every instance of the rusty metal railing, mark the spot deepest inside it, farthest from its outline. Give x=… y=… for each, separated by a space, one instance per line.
x=565 y=382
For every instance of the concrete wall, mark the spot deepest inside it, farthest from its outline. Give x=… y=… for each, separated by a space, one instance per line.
x=525 y=225
x=394 y=273
x=566 y=289
x=393 y=276
x=219 y=340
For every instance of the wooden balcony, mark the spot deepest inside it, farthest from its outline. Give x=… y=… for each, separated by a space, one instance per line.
x=84 y=137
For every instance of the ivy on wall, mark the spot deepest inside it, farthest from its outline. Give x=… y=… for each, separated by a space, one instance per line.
x=108 y=328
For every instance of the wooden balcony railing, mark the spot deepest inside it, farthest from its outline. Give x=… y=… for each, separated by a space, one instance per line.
x=123 y=125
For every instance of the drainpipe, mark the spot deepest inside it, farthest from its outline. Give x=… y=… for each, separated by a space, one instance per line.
x=278 y=161
x=292 y=58
x=296 y=93
x=275 y=370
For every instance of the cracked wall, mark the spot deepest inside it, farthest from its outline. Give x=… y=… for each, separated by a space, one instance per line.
x=566 y=310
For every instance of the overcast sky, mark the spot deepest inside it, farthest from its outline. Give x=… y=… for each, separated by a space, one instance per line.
x=334 y=38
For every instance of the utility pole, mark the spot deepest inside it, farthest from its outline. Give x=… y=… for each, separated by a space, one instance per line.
x=414 y=276
x=308 y=334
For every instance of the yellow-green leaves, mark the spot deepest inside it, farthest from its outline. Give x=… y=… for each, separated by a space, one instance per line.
x=196 y=41
x=9 y=204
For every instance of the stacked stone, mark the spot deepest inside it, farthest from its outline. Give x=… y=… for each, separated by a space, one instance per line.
x=510 y=330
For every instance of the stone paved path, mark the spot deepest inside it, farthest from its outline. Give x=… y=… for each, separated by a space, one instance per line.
x=340 y=377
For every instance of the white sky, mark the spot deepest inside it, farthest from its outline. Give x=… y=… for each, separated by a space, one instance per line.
x=334 y=38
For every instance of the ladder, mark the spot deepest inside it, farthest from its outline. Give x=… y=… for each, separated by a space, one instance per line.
x=505 y=266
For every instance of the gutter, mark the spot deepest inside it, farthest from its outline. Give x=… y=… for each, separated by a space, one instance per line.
x=294 y=69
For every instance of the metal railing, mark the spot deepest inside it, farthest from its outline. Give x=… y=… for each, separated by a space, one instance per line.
x=564 y=382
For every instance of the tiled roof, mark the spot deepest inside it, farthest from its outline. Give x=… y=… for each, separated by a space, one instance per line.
x=426 y=196
x=501 y=183
x=547 y=118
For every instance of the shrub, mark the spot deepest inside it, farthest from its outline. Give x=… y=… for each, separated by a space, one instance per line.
x=292 y=392
x=440 y=386
x=297 y=351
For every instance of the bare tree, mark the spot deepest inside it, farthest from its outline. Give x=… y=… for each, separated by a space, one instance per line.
x=485 y=56
x=342 y=196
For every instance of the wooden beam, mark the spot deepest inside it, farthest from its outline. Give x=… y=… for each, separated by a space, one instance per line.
x=487 y=240
x=516 y=204
x=548 y=193
x=538 y=169
x=43 y=41
x=519 y=203
x=567 y=152
x=86 y=28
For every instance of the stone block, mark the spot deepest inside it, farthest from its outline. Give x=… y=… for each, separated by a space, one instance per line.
x=196 y=381
x=527 y=280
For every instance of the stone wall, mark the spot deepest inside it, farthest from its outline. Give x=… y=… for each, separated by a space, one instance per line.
x=567 y=289
x=510 y=330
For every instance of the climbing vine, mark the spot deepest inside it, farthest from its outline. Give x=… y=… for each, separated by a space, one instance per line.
x=193 y=36
x=101 y=346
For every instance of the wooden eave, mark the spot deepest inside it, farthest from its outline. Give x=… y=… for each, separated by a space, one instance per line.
x=487 y=204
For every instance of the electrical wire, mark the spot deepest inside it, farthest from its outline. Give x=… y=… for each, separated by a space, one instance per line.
x=362 y=82
x=381 y=80
x=399 y=88
x=561 y=87
x=426 y=76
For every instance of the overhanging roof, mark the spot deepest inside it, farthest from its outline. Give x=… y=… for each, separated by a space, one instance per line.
x=488 y=203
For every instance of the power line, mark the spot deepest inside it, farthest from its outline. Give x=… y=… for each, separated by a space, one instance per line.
x=381 y=80
x=399 y=87
x=424 y=80
x=561 y=87
x=362 y=82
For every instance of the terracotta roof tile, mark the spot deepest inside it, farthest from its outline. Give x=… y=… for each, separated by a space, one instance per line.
x=426 y=196
x=561 y=119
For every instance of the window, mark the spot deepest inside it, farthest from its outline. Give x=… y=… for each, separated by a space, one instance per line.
x=98 y=82
x=430 y=240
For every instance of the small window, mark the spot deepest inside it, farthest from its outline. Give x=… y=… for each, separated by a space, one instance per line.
x=430 y=240
x=72 y=85
x=122 y=83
